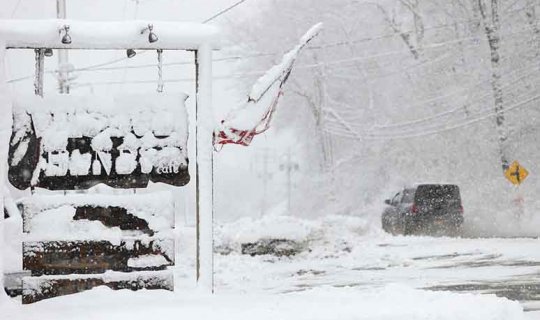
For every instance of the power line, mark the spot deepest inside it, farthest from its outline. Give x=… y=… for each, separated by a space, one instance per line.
x=101 y=66
x=448 y=112
x=97 y=66
x=481 y=115
x=388 y=53
x=349 y=130
x=487 y=116
x=341 y=43
x=224 y=11
x=15 y=9
x=308 y=66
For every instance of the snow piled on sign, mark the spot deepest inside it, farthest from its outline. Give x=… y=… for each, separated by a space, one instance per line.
x=147 y=261
x=56 y=117
x=41 y=211
x=146 y=122
x=66 y=228
x=109 y=34
x=390 y=302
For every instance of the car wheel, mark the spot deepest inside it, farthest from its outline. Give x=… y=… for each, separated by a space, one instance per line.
x=384 y=223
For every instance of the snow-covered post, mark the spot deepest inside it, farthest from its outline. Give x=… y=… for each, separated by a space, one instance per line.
x=204 y=169
x=5 y=132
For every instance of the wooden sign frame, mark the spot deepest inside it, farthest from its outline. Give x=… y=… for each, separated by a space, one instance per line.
x=100 y=35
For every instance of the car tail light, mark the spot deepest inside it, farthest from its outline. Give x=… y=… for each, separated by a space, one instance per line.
x=414 y=209
x=461 y=209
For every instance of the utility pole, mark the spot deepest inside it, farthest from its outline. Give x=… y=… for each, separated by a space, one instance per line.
x=289 y=166
x=263 y=157
x=63 y=58
x=264 y=175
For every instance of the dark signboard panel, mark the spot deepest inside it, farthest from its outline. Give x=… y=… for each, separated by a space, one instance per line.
x=79 y=148
x=86 y=257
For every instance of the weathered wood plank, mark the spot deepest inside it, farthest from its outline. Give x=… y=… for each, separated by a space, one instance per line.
x=92 y=257
x=39 y=288
x=148 y=213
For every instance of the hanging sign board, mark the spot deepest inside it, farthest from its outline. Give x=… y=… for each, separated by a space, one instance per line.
x=66 y=142
x=516 y=174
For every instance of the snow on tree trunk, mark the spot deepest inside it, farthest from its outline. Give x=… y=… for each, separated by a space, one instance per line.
x=5 y=132
x=492 y=30
x=533 y=22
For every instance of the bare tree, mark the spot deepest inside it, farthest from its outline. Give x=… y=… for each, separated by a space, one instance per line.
x=395 y=26
x=532 y=19
x=492 y=26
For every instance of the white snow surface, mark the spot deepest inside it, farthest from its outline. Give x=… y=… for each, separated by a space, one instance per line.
x=321 y=303
x=108 y=34
x=352 y=271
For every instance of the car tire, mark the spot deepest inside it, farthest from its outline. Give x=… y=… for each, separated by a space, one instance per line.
x=384 y=223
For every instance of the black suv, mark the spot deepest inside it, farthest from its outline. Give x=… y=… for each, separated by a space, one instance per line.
x=426 y=208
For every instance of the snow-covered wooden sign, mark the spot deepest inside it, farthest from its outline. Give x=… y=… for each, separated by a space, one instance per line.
x=69 y=142
x=121 y=241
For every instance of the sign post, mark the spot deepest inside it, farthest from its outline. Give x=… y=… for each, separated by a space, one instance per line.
x=204 y=169
x=130 y=35
x=516 y=174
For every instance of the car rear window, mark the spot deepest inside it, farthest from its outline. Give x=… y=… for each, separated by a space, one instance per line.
x=437 y=194
x=408 y=196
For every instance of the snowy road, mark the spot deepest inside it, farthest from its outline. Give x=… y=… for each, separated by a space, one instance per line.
x=506 y=267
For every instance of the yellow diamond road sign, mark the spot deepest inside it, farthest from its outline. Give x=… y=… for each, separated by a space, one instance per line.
x=516 y=173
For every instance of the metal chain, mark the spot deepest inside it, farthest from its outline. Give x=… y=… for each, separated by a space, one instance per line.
x=40 y=68
x=160 y=70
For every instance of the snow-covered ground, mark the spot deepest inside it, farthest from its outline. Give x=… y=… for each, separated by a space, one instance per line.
x=320 y=303
x=348 y=270
x=345 y=251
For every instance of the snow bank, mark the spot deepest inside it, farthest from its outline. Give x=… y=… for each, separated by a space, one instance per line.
x=333 y=232
x=269 y=227
x=391 y=302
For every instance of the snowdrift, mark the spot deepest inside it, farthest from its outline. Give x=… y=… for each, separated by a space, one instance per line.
x=390 y=302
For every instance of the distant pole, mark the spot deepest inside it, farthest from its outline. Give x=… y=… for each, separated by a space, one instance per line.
x=289 y=166
x=63 y=57
x=204 y=126
x=265 y=176
x=289 y=188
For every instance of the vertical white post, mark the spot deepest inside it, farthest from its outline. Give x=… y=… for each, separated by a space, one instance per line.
x=63 y=64
x=5 y=132
x=204 y=170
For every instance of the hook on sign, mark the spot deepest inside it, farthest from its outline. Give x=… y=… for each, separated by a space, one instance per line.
x=160 y=70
